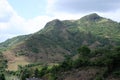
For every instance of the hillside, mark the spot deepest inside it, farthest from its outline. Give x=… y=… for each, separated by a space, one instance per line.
x=12 y=42
x=99 y=64
x=60 y=38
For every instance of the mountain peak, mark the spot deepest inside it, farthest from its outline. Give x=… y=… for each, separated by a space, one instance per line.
x=55 y=22
x=91 y=17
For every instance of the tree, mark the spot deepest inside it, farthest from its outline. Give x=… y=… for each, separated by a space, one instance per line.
x=25 y=73
x=84 y=51
x=43 y=71
x=36 y=73
x=2 y=76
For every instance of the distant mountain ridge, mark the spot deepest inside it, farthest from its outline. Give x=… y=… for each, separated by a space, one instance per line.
x=60 y=38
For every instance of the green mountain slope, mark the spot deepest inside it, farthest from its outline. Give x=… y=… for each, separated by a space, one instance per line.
x=100 y=26
x=61 y=38
x=13 y=41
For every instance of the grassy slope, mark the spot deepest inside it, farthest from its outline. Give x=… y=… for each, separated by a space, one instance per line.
x=14 y=61
x=12 y=42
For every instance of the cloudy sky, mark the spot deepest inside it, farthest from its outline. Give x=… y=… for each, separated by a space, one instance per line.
x=18 y=17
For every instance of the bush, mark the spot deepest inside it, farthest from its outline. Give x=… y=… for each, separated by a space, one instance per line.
x=2 y=76
x=98 y=78
x=116 y=74
x=84 y=51
x=80 y=62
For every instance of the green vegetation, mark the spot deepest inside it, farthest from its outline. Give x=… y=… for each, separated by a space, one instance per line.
x=12 y=42
x=106 y=59
x=3 y=66
x=3 y=63
x=2 y=77
x=62 y=38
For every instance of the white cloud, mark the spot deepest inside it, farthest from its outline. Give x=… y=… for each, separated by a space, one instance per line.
x=82 y=6
x=108 y=8
x=9 y=21
x=50 y=4
x=36 y=23
x=114 y=15
x=6 y=36
x=58 y=14
x=11 y=24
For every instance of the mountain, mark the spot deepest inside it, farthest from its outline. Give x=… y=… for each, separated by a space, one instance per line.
x=60 y=38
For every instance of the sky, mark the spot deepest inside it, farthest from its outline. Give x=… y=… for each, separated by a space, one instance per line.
x=21 y=17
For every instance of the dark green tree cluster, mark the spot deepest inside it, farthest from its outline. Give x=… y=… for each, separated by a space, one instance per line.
x=3 y=62
x=2 y=76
